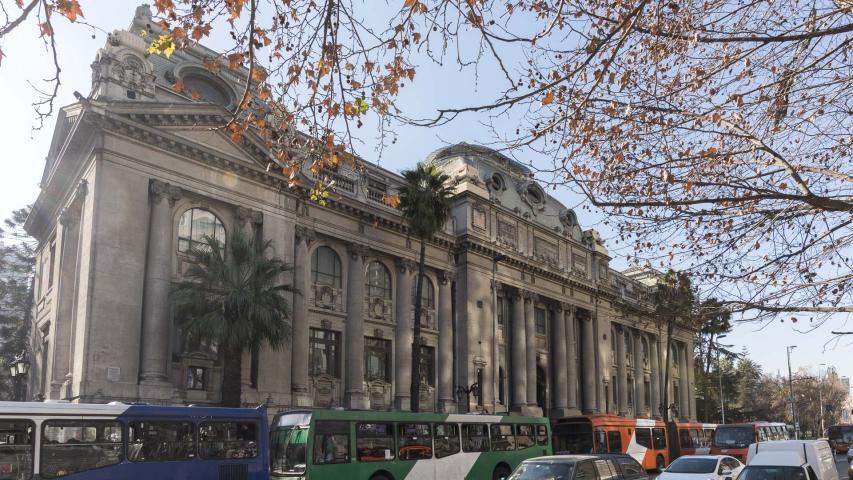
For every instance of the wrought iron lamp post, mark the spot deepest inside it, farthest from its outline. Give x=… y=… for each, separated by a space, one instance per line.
x=19 y=368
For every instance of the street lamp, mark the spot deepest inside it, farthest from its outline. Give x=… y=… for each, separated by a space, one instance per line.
x=19 y=368
x=791 y=389
x=497 y=258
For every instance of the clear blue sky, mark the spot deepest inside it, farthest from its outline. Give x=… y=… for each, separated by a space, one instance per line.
x=24 y=151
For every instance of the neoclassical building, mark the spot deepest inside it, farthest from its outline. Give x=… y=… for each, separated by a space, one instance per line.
x=137 y=173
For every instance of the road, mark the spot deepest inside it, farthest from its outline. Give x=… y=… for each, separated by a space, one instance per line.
x=841 y=464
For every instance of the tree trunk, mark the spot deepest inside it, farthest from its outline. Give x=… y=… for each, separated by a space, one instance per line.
x=666 y=372
x=232 y=368
x=416 y=338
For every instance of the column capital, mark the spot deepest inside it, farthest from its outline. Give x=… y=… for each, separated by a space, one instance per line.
x=567 y=307
x=160 y=190
x=82 y=189
x=529 y=297
x=406 y=265
x=445 y=277
x=358 y=251
x=67 y=218
x=249 y=215
x=306 y=234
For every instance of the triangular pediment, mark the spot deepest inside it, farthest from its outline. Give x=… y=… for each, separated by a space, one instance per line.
x=212 y=139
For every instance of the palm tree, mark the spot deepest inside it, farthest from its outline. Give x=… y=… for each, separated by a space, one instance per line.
x=231 y=296
x=425 y=203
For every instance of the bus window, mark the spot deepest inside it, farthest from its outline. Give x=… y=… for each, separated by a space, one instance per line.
x=17 y=446
x=600 y=442
x=541 y=435
x=331 y=443
x=287 y=449
x=572 y=437
x=502 y=438
x=71 y=446
x=160 y=441
x=614 y=442
x=694 y=438
x=762 y=434
x=659 y=439
x=644 y=437
x=475 y=437
x=446 y=439
x=415 y=441
x=374 y=442
x=217 y=440
x=524 y=436
x=709 y=434
x=684 y=438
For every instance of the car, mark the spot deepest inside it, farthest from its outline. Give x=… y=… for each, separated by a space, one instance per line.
x=702 y=467
x=850 y=464
x=580 y=467
x=790 y=460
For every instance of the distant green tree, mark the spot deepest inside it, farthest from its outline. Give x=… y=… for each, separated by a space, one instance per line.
x=231 y=296
x=17 y=270
x=713 y=320
x=674 y=305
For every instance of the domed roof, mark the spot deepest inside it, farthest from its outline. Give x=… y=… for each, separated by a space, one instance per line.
x=444 y=154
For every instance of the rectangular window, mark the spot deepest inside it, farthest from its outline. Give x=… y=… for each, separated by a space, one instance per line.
x=196 y=378
x=684 y=438
x=331 y=443
x=541 y=434
x=475 y=438
x=647 y=395
x=160 y=441
x=503 y=439
x=585 y=471
x=374 y=442
x=603 y=469
x=614 y=442
x=524 y=436
x=51 y=261
x=630 y=467
x=377 y=359
x=427 y=365
x=658 y=439
x=218 y=440
x=630 y=391
x=446 y=439
x=500 y=312
x=644 y=437
x=72 y=446
x=541 y=321
x=415 y=441
x=324 y=347
x=17 y=449
x=695 y=437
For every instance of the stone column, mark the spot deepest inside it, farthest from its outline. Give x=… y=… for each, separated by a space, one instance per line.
x=518 y=395
x=654 y=375
x=354 y=382
x=61 y=368
x=621 y=372
x=571 y=358
x=684 y=401
x=588 y=353
x=691 y=377
x=639 y=376
x=530 y=345
x=403 y=335
x=300 y=330
x=559 y=373
x=158 y=277
x=446 y=402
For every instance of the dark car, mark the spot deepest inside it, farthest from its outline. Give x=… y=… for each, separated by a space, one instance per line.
x=605 y=466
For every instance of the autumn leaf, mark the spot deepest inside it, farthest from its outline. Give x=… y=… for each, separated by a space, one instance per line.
x=163 y=45
x=195 y=95
x=355 y=84
x=200 y=31
x=392 y=200
x=548 y=98
x=235 y=61
x=409 y=3
x=69 y=9
x=45 y=29
x=1 y=56
x=259 y=74
x=164 y=6
x=235 y=7
x=179 y=86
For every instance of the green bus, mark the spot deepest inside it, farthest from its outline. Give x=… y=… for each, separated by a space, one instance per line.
x=373 y=445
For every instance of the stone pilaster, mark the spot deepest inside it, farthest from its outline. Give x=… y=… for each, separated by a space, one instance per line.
x=354 y=381
x=589 y=377
x=403 y=335
x=560 y=378
x=655 y=377
x=300 y=329
x=446 y=402
x=569 y=312
x=530 y=352
x=518 y=366
x=621 y=372
x=156 y=305
x=684 y=380
x=60 y=368
x=639 y=376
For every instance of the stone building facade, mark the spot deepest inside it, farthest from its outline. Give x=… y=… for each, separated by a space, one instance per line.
x=136 y=173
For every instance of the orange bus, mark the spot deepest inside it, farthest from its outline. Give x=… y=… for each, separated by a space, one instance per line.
x=734 y=439
x=645 y=440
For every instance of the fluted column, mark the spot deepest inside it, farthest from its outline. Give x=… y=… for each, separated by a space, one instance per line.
x=403 y=335
x=654 y=363
x=354 y=381
x=519 y=360
x=571 y=357
x=300 y=329
x=684 y=389
x=530 y=345
x=621 y=371
x=445 y=345
x=588 y=354
x=639 y=376
x=155 y=303
x=558 y=369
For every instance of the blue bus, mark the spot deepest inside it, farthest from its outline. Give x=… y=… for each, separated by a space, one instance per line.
x=120 y=441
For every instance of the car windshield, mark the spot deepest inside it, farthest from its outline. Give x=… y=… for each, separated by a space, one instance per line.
x=287 y=450
x=693 y=465
x=772 y=473
x=734 y=437
x=543 y=471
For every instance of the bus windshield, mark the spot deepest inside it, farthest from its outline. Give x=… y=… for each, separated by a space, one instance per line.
x=841 y=433
x=573 y=438
x=287 y=450
x=734 y=436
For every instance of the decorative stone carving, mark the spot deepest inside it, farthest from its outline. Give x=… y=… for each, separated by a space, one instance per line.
x=82 y=189
x=378 y=333
x=507 y=233
x=120 y=74
x=325 y=390
x=245 y=215
x=161 y=190
x=404 y=264
x=326 y=324
x=328 y=297
x=305 y=234
x=379 y=394
x=358 y=251
x=545 y=251
x=478 y=217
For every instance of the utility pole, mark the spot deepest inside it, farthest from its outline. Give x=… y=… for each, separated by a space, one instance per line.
x=791 y=389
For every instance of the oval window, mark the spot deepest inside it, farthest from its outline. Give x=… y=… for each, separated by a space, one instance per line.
x=497 y=181
x=535 y=194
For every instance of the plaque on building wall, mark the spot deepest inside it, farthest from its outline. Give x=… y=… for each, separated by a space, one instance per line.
x=545 y=250
x=507 y=233
x=579 y=263
x=478 y=217
x=113 y=374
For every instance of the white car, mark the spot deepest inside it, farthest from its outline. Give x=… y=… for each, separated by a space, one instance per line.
x=702 y=467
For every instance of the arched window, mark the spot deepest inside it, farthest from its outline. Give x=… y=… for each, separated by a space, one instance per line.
x=203 y=87
x=378 y=281
x=427 y=293
x=326 y=267
x=195 y=225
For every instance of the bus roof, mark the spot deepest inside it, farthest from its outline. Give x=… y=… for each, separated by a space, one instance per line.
x=122 y=409
x=759 y=423
x=397 y=416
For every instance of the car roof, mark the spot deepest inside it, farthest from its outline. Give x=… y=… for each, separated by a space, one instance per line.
x=714 y=457
x=776 y=459
x=562 y=458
